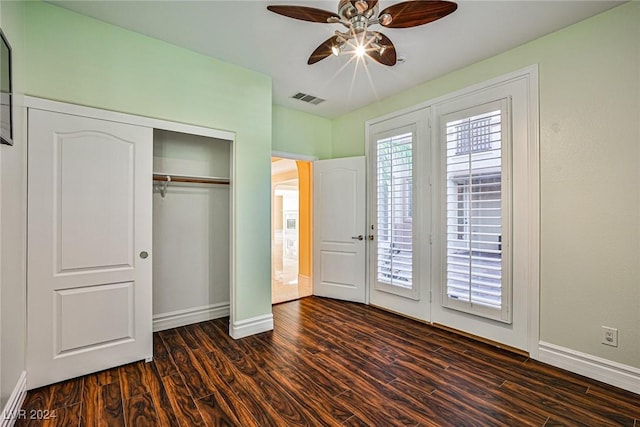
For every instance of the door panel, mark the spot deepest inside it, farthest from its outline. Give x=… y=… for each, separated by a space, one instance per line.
x=89 y=216
x=339 y=220
x=97 y=210
x=339 y=268
x=94 y=315
x=399 y=209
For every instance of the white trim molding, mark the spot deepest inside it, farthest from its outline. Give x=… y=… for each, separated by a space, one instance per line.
x=188 y=316
x=255 y=325
x=597 y=368
x=11 y=410
x=132 y=119
x=293 y=156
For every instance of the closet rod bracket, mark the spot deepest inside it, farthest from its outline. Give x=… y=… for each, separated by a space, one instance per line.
x=163 y=186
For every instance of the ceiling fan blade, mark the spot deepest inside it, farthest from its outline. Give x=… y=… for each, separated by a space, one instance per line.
x=323 y=50
x=303 y=13
x=389 y=56
x=413 y=13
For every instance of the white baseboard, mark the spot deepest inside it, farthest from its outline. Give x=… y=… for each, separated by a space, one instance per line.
x=255 y=325
x=188 y=316
x=12 y=408
x=597 y=368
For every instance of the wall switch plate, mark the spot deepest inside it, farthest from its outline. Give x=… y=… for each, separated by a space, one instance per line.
x=609 y=336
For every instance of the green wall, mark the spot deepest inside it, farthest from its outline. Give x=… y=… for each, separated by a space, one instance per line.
x=13 y=215
x=590 y=158
x=301 y=133
x=80 y=60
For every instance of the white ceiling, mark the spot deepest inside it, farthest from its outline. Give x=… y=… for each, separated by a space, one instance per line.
x=243 y=32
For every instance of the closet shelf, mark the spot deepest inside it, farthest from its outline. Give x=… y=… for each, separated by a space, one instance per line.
x=172 y=177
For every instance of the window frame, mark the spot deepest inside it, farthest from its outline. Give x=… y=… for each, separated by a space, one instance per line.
x=414 y=291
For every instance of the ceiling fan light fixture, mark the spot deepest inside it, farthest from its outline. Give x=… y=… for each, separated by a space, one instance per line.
x=350 y=12
x=359 y=51
x=385 y=19
x=361 y=6
x=381 y=48
x=336 y=49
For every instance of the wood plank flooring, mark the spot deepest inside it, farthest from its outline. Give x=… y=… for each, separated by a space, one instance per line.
x=330 y=363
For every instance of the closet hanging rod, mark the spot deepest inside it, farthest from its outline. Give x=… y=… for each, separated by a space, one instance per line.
x=190 y=178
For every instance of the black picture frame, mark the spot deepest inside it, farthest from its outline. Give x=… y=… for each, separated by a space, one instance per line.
x=6 y=92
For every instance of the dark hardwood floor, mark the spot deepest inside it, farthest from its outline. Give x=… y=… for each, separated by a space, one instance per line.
x=330 y=363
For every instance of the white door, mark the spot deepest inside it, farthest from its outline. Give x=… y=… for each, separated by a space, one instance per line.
x=399 y=211
x=485 y=227
x=89 y=243
x=339 y=229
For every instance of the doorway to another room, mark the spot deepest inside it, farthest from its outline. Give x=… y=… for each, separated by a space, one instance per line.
x=290 y=229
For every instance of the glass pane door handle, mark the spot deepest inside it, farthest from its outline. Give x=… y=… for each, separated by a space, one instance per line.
x=358 y=237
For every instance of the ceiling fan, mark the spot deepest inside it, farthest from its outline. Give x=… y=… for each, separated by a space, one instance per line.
x=357 y=16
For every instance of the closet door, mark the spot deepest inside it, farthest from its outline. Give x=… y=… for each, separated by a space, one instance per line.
x=89 y=243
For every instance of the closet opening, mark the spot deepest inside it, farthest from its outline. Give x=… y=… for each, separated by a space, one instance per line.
x=191 y=228
x=290 y=229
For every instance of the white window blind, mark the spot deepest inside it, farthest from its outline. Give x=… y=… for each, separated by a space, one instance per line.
x=394 y=185
x=476 y=222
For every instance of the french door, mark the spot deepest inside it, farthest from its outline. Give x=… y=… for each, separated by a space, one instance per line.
x=399 y=214
x=453 y=215
x=484 y=215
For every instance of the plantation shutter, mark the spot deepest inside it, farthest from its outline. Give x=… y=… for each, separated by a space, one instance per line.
x=476 y=214
x=394 y=211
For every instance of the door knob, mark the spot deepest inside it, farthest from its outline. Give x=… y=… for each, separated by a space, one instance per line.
x=358 y=237
x=144 y=254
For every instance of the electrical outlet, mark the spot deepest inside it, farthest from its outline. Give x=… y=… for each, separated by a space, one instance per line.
x=609 y=336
